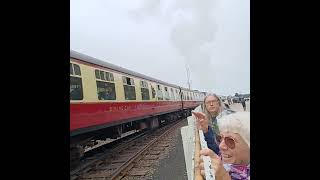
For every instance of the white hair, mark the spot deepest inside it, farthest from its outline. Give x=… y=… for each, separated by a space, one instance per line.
x=238 y=122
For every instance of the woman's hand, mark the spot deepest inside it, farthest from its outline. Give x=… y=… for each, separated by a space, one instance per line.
x=216 y=163
x=202 y=121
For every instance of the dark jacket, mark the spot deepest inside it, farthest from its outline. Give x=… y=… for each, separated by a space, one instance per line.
x=210 y=137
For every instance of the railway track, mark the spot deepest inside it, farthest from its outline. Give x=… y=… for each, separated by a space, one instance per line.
x=97 y=155
x=129 y=158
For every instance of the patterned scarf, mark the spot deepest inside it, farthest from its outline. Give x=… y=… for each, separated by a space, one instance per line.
x=238 y=172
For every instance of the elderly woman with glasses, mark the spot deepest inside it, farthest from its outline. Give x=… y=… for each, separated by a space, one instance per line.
x=212 y=108
x=234 y=144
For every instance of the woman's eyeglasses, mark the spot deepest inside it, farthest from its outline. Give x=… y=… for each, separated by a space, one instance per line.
x=211 y=102
x=229 y=141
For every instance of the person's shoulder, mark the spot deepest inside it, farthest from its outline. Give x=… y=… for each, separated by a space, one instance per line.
x=229 y=111
x=225 y=112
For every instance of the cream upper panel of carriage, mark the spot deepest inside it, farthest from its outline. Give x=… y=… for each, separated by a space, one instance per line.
x=147 y=90
x=100 y=84
x=123 y=87
x=185 y=95
x=190 y=95
x=174 y=94
x=193 y=96
x=197 y=96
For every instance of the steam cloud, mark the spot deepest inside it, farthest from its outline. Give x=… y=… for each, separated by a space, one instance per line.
x=192 y=32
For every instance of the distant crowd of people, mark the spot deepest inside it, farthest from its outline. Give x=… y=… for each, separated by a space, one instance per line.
x=228 y=101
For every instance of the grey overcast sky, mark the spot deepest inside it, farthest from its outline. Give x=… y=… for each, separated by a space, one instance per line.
x=162 y=38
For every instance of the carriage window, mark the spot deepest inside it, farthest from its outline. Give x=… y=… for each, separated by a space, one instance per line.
x=145 y=94
x=128 y=81
x=76 y=92
x=153 y=92
x=106 y=90
x=111 y=77
x=172 y=94
x=76 y=69
x=102 y=75
x=166 y=93
x=159 y=93
x=129 y=88
x=107 y=76
x=129 y=92
x=144 y=84
x=97 y=74
x=144 y=90
x=177 y=94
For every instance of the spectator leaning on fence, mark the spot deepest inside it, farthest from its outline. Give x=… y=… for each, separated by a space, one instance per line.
x=212 y=109
x=234 y=144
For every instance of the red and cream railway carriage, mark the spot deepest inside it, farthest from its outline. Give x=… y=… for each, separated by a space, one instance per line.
x=107 y=100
